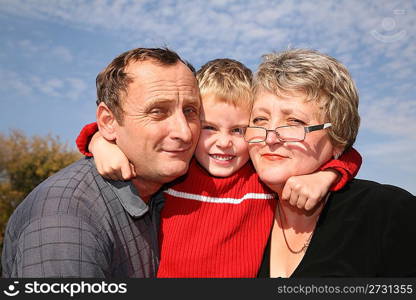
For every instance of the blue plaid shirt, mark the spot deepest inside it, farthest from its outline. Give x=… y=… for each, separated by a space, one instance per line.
x=78 y=224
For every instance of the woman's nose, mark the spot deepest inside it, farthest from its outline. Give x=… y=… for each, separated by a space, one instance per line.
x=272 y=137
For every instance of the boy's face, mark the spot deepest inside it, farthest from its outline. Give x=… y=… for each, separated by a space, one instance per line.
x=221 y=148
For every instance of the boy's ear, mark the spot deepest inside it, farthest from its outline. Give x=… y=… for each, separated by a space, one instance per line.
x=106 y=122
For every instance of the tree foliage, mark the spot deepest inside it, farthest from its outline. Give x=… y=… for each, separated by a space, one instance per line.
x=24 y=163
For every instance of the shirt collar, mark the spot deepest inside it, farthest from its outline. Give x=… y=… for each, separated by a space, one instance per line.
x=127 y=194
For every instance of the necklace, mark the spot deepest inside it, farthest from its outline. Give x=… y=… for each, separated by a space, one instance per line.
x=305 y=245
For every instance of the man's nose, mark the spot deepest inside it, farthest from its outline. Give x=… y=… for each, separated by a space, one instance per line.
x=180 y=128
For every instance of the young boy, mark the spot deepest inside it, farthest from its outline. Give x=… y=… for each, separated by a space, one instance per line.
x=217 y=218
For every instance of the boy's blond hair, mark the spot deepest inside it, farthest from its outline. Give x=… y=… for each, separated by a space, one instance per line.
x=229 y=80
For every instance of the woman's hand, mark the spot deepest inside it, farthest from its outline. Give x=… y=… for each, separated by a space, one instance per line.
x=110 y=160
x=306 y=191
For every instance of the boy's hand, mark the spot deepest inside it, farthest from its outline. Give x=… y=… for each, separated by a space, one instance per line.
x=305 y=191
x=110 y=160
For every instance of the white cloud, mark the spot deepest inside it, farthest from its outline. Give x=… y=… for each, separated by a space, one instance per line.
x=340 y=26
x=36 y=48
x=10 y=80
x=62 y=53
x=67 y=88
x=28 y=46
x=77 y=89
x=390 y=116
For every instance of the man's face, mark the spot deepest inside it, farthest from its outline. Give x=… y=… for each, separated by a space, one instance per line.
x=161 y=120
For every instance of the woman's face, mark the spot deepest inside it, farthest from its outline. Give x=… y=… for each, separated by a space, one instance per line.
x=276 y=161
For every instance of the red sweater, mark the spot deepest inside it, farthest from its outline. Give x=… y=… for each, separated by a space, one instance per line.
x=215 y=227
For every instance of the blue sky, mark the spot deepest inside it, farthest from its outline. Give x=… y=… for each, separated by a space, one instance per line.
x=51 y=52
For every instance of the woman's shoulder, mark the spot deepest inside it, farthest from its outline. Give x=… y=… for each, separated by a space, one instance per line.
x=367 y=192
x=368 y=186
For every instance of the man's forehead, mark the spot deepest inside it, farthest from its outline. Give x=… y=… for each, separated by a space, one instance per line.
x=150 y=69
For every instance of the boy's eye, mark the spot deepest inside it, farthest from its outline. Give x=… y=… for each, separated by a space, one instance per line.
x=238 y=131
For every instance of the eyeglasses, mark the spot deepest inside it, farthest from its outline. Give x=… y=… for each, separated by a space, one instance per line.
x=291 y=133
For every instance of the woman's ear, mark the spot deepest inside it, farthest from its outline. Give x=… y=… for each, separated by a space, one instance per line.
x=337 y=152
x=106 y=122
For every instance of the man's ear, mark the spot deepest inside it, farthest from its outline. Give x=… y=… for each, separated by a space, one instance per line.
x=106 y=122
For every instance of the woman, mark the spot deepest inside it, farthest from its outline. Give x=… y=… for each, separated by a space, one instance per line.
x=305 y=113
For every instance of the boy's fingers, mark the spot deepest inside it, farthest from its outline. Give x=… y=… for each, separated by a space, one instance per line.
x=114 y=174
x=310 y=203
x=133 y=171
x=126 y=172
x=287 y=191
x=294 y=196
x=301 y=201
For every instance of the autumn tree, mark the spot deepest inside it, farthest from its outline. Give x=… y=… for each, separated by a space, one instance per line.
x=24 y=163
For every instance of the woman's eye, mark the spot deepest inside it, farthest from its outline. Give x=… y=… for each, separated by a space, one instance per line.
x=258 y=120
x=296 y=122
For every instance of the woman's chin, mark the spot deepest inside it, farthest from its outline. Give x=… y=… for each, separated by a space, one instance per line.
x=272 y=181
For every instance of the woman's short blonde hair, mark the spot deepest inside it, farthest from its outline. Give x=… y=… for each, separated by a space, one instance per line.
x=322 y=79
x=229 y=80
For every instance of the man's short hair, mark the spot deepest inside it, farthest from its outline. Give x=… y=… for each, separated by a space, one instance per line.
x=113 y=81
x=229 y=80
x=322 y=79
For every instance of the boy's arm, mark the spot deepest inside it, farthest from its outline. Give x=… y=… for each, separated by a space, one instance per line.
x=348 y=165
x=84 y=138
x=306 y=191
x=109 y=159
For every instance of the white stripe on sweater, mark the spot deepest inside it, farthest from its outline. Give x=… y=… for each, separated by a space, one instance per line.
x=201 y=198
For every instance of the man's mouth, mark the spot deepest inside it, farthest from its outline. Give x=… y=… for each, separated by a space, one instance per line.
x=178 y=151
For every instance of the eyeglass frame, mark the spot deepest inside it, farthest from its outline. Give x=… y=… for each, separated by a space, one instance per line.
x=307 y=129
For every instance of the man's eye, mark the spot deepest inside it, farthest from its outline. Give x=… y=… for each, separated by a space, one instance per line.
x=191 y=112
x=157 y=111
x=208 y=127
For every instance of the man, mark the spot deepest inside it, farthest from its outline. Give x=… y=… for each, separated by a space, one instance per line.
x=78 y=224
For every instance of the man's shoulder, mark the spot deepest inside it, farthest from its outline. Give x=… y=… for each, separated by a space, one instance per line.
x=78 y=175
x=71 y=191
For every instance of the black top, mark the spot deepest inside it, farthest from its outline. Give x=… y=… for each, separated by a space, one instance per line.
x=77 y=224
x=365 y=230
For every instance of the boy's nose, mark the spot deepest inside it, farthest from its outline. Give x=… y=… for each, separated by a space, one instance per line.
x=224 y=141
